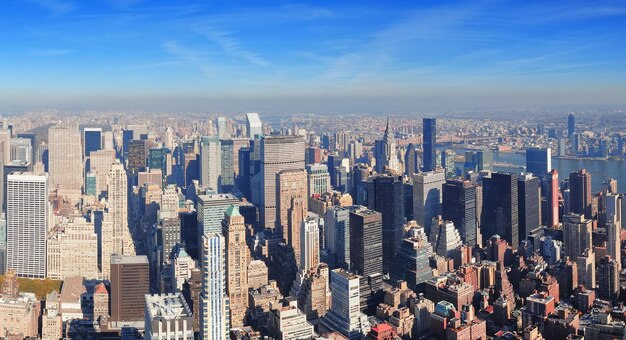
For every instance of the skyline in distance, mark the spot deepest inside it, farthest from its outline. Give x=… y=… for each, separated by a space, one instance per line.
x=285 y=57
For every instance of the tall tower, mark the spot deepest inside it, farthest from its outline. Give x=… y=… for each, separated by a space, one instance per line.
x=385 y=195
x=410 y=161
x=571 y=124
x=254 y=125
x=539 y=161
x=459 y=206
x=27 y=224
x=427 y=187
x=529 y=204
x=580 y=192
x=234 y=231
x=500 y=207
x=613 y=228
x=430 y=143
x=366 y=248
x=577 y=234
x=214 y=314
x=65 y=160
x=277 y=153
x=210 y=162
x=388 y=153
x=552 y=198
x=93 y=140
x=310 y=242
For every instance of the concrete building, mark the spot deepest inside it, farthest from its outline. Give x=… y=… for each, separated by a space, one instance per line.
x=577 y=234
x=100 y=163
x=345 y=313
x=130 y=282
x=210 y=162
x=254 y=126
x=51 y=323
x=65 y=160
x=291 y=205
x=309 y=241
x=19 y=312
x=257 y=274
x=319 y=179
x=210 y=212
x=287 y=322
x=214 y=314
x=237 y=257
x=427 y=194
x=72 y=250
x=27 y=214
x=168 y=317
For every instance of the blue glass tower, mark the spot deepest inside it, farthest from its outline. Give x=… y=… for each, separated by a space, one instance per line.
x=430 y=141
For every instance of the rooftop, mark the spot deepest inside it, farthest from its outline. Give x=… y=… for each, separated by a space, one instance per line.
x=168 y=306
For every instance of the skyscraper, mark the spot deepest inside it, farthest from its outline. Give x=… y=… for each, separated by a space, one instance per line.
x=210 y=162
x=93 y=140
x=319 y=179
x=614 y=227
x=337 y=234
x=130 y=282
x=410 y=161
x=234 y=231
x=27 y=224
x=608 y=279
x=430 y=144
x=580 y=192
x=65 y=161
x=210 y=212
x=385 y=195
x=427 y=188
x=345 y=314
x=291 y=206
x=310 y=242
x=100 y=163
x=411 y=263
x=277 y=153
x=577 y=234
x=366 y=246
x=500 y=207
x=528 y=199
x=214 y=313
x=254 y=125
x=538 y=161
x=459 y=206
x=222 y=131
x=571 y=124
x=552 y=198
x=387 y=156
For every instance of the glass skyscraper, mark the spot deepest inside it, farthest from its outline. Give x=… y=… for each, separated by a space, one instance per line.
x=429 y=145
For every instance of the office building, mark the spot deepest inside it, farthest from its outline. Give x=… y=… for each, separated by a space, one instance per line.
x=580 y=192
x=345 y=313
x=130 y=282
x=410 y=161
x=459 y=207
x=210 y=162
x=234 y=231
x=310 y=241
x=608 y=272
x=222 y=128
x=27 y=215
x=385 y=195
x=366 y=245
x=586 y=264
x=137 y=157
x=529 y=198
x=411 y=263
x=448 y=240
x=3 y=243
x=72 y=250
x=254 y=126
x=92 y=138
x=287 y=322
x=538 y=161
x=500 y=207
x=386 y=155
x=614 y=203
x=277 y=153
x=430 y=144
x=571 y=124
x=19 y=312
x=577 y=234
x=65 y=161
x=210 y=212
x=427 y=188
x=168 y=317
x=551 y=184
x=21 y=150
x=319 y=179
x=100 y=163
x=214 y=313
x=291 y=205
x=337 y=235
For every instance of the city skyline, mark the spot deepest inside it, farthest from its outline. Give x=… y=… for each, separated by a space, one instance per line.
x=284 y=57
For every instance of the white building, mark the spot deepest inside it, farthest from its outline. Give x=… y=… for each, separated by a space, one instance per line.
x=28 y=213
x=65 y=160
x=168 y=317
x=214 y=323
x=345 y=312
x=289 y=323
x=310 y=242
x=210 y=162
x=254 y=125
x=427 y=194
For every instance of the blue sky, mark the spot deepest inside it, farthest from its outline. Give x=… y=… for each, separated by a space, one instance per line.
x=285 y=55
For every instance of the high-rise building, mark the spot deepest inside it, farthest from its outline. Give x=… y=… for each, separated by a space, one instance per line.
x=254 y=125
x=448 y=240
x=65 y=161
x=430 y=144
x=210 y=162
x=168 y=317
x=100 y=163
x=577 y=234
x=337 y=235
x=580 y=192
x=552 y=198
x=528 y=194
x=93 y=140
x=319 y=179
x=538 y=161
x=234 y=231
x=366 y=245
x=277 y=153
x=586 y=264
x=230 y=162
x=214 y=314
x=345 y=313
x=427 y=188
x=210 y=212
x=130 y=282
x=410 y=161
x=500 y=207
x=608 y=272
x=387 y=158
x=27 y=214
x=72 y=250
x=614 y=227
x=459 y=206
x=571 y=124
x=310 y=242
x=222 y=129
x=3 y=243
x=385 y=195
x=411 y=263
x=137 y=156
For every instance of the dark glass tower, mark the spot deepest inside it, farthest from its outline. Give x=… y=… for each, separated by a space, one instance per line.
x=580 y=192
x=386 y=195
x=410 y=160
x=366 y=245
x=430 y=140
x=571 y=124
x=539 y=161
x=500 y=208
x=93 y=140
x=459 y=206
x=528 y=199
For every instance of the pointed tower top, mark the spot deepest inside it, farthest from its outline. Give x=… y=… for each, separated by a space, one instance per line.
x=233 y=210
